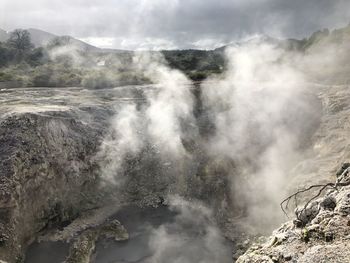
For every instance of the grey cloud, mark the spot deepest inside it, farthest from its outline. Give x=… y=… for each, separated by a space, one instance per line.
x=174 y=23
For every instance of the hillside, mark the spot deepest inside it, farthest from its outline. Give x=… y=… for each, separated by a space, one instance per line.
x=41 y=38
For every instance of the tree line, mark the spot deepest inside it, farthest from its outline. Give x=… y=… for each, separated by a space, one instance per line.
x=19 y=48
x=51 y=66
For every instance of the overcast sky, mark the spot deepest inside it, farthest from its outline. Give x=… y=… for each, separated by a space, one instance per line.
x=154 y=24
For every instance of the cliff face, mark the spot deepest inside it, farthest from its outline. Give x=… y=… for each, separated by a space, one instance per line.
x=329 y=145
x=47 y=175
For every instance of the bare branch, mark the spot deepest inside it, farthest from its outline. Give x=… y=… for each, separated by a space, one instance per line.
x=285 y=203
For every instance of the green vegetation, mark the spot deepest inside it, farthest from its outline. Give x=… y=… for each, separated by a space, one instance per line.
x=196 y=64
x=63 y=62
x=18 y=49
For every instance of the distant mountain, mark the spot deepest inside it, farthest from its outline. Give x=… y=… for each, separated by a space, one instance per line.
x=41 y=38
x=83 y=45
x=73 y=43
x=38 y=37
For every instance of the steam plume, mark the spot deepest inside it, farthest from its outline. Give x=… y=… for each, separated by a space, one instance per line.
x=171 y=244
x=258 y=108
x=124 y=138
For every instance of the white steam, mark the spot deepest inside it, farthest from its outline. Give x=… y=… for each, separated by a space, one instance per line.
x=158 y=122
x=169 y=105
x=192 y=237
x=124 y=138
x=259 y=110
x=252 y=108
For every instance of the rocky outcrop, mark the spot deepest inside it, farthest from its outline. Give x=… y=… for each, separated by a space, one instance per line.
x=47 y=176
x=83 y=247
x=320 y=233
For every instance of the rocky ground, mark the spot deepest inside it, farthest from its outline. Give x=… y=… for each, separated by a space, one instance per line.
x=50 y=176
x=324 y=238
x=83 y=246
x=320 y=233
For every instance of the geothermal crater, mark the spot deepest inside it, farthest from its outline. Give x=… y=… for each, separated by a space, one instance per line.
x=76 y=186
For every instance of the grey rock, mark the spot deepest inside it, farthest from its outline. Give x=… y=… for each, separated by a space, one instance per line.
x=306 y=214
x=328 y=203
x=321 y=236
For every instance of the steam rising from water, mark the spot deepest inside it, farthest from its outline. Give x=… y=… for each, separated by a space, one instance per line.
x=260 y=111
x=171 y=244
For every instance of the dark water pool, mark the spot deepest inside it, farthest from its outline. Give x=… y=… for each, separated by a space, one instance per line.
x=53 y=252
x=156 y=235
